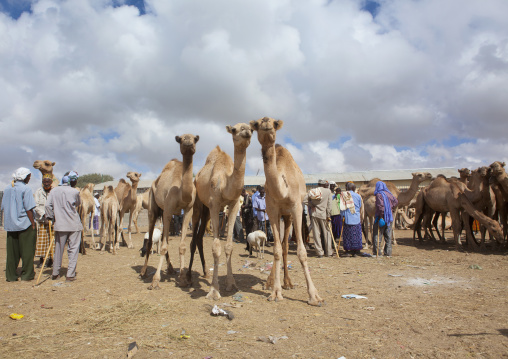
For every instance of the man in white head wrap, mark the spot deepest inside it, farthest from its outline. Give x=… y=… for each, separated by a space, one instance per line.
x=18 y=204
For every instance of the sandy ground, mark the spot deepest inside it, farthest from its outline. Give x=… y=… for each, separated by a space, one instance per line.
x=424 y=302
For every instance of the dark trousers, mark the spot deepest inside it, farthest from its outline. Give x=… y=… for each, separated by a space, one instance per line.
x=265 y=227
x=21 y=245
x=238 y=230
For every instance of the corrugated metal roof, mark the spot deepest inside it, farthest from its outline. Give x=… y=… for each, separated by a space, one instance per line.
x=359 y=176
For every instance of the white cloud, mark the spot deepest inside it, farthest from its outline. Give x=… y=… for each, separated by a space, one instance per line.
x=97 y=88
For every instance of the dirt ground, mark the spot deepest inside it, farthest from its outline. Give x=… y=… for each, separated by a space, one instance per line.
x=429 y=301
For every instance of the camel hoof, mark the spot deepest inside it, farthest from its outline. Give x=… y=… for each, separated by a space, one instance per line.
x=231 y=287
x=290 y=286
x=316 y=302
x=213 y=295
x=154 y=287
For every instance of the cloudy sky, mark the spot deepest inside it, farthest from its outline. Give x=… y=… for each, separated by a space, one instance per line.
x=104 y=86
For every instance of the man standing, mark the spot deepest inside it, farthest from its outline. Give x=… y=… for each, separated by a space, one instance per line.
x=43 y=230
x=335 y=216
x=96 y=213
x=385 y=204
x=18 y=204
x=255 y=195
x=247 y=212
x=259 y=204
x=62 y=205
x=320 y=204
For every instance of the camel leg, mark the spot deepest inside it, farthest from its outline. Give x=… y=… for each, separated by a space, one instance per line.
x=274 y=278
x=314 y=298
x=164 y=251
x=285 y=247
x=456 y=225
x=206 y=216
x=185 y=226
x=230 y=280
x=130 y=245
x=120 y=229
x=214 y=292
x=153 y=211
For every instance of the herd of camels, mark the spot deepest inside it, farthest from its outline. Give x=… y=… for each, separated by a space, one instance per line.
x=481 y=194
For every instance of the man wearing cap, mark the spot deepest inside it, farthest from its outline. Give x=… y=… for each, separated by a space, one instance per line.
x=62 y=205
x=319 y=201
x=18 y=204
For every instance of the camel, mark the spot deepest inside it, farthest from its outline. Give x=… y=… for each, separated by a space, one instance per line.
x=109 y=216
x=285 y=189
x=127 y=198
x=86 y=207
x=141 y=203
x=171 y=192
x=500 y=188
x=464 y=174
x=219 y=183
x=46 y=167
x=404 y=198
x=444 y=195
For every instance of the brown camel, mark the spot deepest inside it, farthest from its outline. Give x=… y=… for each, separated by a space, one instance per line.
x=464 y=174
x=86 y=207
x=109 y=217
x=444 y=195
x=500 y=188
x=127 y=198
x=141 y=203
x=404 y=198
x=171 y=192
x=219 y=183
x=46 y=167
x=285 y=189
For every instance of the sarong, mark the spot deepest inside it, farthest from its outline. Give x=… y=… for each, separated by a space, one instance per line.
x=352 y=237
x=43 y=240
x=336 y=225
x=96 y=223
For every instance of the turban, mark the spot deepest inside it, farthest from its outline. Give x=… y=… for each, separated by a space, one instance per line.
x=47 y=175
x=21 y=174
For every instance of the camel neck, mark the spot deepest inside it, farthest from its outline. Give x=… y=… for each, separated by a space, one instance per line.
x=272 y=176
x=187 y=178
x=405 y=197
x=236 y=179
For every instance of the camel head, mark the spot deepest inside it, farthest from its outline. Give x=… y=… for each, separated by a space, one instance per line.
x=242 y=134
x=133 y=176
x=266 y=128
x=44 y=166
x=187 y=143
x=422 y=176
x=464 y=173
x=497 y=168
x=90 y=187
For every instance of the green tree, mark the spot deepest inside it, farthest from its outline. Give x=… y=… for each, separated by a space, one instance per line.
x=94 y=178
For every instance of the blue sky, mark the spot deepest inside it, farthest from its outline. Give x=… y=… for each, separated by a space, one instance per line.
x=104 y=86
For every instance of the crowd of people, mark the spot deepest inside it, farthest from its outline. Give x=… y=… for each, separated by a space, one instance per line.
x=329 y=212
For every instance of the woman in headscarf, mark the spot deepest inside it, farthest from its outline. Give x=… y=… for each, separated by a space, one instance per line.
x=351 y=208
x=385 y=204
x=43 y=230
x=18 y=204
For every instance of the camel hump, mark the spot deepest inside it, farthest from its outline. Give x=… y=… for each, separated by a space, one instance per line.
x=170 y=165
x=122 y=181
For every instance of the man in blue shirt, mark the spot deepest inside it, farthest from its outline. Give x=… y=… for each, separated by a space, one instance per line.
x=255 y=195
x=18 y=203
x=259 y=204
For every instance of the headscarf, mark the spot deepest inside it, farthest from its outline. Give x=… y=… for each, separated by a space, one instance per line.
x=71 y=176
x=20 y=174
x=383 y=190
x=47 y=175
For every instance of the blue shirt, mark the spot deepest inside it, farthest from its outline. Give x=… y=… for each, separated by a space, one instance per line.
x=254 y=196
x=16 y=201
x=260 y=203
x=350 y=218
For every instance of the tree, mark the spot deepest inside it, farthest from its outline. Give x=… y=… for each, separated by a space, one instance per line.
x=94 y=178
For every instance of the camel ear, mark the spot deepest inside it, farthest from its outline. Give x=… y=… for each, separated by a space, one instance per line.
x=277 y=124
x=413 y=174
x=53 y=164
x=230 y=129
x=254 y=125
x=503 y=164
x=196 y=138
x=178 y=139
x=140 y=175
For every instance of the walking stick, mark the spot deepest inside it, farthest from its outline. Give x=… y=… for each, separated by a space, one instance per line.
x=333 y=239
x=51 y=239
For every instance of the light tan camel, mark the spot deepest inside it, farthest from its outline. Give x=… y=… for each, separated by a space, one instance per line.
x=404 y=198
x=219 y=183
x=109 y=217
x=285 y=189
x=500 y=188
x=86 y=207
x=171 y=192
x=444 y=195
x=46 y=167
x=141 y=203
x=127 y=198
